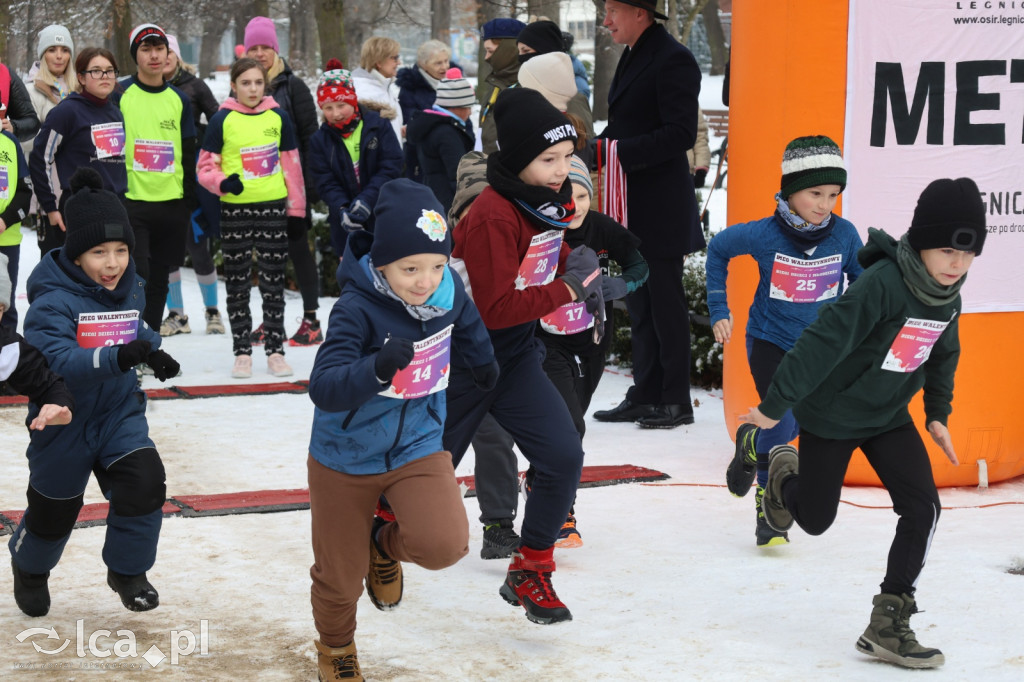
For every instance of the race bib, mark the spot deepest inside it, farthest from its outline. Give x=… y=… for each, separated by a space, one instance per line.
x=5 y=183
x=153 y=156
x=571 y=318
x=107 y=329
x=541 y=260
x=260 y=162
x=428 y=371
x=108 y=139
x=913 y=345
x=806 y=281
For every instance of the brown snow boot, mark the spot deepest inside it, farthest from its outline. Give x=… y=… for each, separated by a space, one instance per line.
x=337 y=663
x=890 y=638
x=384 y=578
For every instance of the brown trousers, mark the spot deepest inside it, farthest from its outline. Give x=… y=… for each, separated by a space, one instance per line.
x=431 y=530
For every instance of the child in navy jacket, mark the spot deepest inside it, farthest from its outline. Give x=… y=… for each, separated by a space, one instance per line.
x=378 y=384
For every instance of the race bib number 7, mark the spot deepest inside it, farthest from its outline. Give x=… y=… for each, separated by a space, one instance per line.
x=913 y=345
x=153 y=156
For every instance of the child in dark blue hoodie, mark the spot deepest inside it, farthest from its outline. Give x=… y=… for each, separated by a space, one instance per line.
x=378 y=384
x=85 y=316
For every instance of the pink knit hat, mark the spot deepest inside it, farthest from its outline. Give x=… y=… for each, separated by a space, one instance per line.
x=261 y=31
x=172 y=45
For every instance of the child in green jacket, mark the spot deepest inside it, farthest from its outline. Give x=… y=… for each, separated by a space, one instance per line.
x=848 y=381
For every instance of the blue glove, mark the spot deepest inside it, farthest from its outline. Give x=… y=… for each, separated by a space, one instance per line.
x=232 y=184
x=613 y=288
x=486 y=376
x=347 y=222
x=359 y=212
x=396 y=354
x=582 y=272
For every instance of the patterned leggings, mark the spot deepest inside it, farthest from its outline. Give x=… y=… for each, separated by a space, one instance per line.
x=261 y=228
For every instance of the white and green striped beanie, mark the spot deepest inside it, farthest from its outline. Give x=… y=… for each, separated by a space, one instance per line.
x=809 y=162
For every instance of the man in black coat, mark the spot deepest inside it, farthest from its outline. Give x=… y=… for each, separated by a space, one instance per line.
x=652 y=114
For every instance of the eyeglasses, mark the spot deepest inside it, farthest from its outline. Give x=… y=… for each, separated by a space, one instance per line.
x=396 y=58
x=102 y=73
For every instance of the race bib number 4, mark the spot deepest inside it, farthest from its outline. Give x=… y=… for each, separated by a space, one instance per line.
x=806 y=281
x=108 y=139
x=428 y=371
x=260 y=162
x=107 y=329
x=5 y=183
x=913 y=345
x=541 y=260
x=153 y=156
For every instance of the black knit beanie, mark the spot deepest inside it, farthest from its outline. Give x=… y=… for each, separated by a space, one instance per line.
x=809 y=162
x=527 y=124
x=949 y=214
x=408 y=220
x=542 y=36
x=141 y=34
x=94 y=215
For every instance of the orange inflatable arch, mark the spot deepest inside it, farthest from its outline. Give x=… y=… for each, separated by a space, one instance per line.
x=799 y=47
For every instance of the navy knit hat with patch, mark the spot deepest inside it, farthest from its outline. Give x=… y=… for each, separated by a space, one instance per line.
x=408 y=220
x=809 y=162
x=527 y=124
x=949 y=214
x=94 y=215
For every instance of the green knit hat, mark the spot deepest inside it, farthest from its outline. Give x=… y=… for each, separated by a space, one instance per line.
x=809 y=162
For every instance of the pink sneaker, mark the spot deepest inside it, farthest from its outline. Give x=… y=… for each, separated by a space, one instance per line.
x=242 y=368
x=277 y=366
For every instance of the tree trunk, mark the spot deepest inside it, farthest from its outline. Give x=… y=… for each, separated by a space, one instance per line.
x=716 y=37
x=331 y=29
x=121 y=31
x=549 y=9
x=672 y=12
x=690 y=18
x=212 y=32
x=441 y=20
x=606 y=58
x=5 y=28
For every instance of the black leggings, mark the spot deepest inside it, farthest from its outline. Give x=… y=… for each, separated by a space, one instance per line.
x=901 y=462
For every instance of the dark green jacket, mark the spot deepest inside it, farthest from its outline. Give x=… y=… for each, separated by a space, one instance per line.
x=833 y=377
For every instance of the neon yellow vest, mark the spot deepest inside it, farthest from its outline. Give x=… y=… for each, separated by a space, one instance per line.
x=251 y=148
x=152 y=150
x=8 y=185
x=352 y=145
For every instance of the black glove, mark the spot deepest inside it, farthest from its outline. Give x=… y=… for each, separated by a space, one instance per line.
x=595 y=306
x=582 y=272
x=486 y=376
x=296 y=227
x=613 y=288
x=131 y=354
x=359 y=212
x=232 y=184
x=699 y=176
x=592 y=143
x=164 y=366
x=395 y=355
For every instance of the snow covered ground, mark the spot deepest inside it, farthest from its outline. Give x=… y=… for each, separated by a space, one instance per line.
x=669 y=585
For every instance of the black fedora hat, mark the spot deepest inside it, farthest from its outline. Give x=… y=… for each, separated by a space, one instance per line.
x=648 y=5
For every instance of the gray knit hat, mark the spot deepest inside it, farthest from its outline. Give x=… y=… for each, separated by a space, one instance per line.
x=809 y=162
x=454 y=91
x=579 y=174
x=5 y=285
x=54 y=34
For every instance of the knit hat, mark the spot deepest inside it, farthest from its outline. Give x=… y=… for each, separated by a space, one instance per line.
x=94 y=215
x=336 y=85
x=470 y=180
x=260 y=31
x=648 y=5
x=454 y=91
x=501 y=28
x=809 y=162
x=409 y=220
x=5 y=284
x=141 y=34
x=949 y=214
x=542 y=36
x=579 y=174
x=172 y=45
x=54 y=34
x=551 y=75
x=527 y=125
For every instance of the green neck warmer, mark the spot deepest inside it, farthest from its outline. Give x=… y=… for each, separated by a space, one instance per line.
x=922 y=285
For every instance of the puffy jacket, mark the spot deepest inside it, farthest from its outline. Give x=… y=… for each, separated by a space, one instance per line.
x=19 y=105
x=381 y=95
x=416 y=96
x=293 y=96
x=441 y=141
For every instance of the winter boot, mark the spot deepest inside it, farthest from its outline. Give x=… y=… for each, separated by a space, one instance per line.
x=890 y=638
x=783 y=462
x=528 y=584
x=31 y=592
x=384 y=579
x=766 y=535
x=743 y=467
x=500 y=540
x=135 y=591
x=337 y=663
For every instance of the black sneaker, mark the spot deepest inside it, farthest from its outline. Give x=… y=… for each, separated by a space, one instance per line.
x=743 y=467
x=765 y=534
x=500 y=540
x=31 y=592
x=783 y=462
x=134 y=590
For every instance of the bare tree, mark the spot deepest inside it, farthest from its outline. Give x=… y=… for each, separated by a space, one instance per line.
x=440 y=20
x=606 y=57
x=5 y=27
x=716 y=37
x=331 y=29
x=120 y=32
x=688 y=10
x=544 y=8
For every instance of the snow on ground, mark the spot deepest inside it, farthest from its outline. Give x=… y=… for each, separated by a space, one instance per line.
x=669 y=585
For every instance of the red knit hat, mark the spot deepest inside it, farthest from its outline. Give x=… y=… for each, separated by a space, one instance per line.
x=336 y=85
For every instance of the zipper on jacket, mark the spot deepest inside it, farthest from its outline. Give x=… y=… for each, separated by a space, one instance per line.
x=348 y=419
x=398 y=436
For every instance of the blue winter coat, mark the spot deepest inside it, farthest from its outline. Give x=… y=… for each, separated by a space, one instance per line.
x=356 y=430
x=579 y=73
x=380 y=160
x=111 y=409
x=771 y=319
